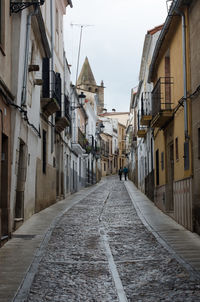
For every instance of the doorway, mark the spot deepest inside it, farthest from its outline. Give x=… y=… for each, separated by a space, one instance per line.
x=4 y=208
x=170 y=177
x=21 y=178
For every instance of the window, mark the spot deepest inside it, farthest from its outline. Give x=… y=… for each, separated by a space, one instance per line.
x=45 y=78
x=162 y=160
x=157 y=168
x=198 y=143
x=186 y=156
x=44 y=151
x=79 y=168
x=104 y=167
x=176 y=146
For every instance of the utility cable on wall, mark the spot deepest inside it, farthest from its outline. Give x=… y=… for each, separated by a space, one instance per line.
x=21 y=110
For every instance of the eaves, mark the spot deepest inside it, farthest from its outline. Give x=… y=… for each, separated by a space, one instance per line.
x=175 y=5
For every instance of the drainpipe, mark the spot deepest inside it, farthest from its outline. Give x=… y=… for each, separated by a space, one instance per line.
x=184 y=73
x=52 y=68
x=28 y=27
x=52 y=46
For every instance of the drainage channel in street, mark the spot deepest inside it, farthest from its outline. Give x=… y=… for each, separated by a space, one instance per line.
x=113 y=269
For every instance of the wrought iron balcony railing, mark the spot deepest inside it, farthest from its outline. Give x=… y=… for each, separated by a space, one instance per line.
x=83 y=142
x=146 y=103
x=146 y=114
x=162 y=95
x=141 y=129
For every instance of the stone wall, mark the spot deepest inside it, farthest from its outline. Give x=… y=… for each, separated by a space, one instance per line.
x=45 y=187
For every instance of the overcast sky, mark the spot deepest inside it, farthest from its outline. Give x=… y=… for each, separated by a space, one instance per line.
x=114 y=42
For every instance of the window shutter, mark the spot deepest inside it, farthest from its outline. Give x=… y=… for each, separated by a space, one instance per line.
x=186 y=156
x=45 y=77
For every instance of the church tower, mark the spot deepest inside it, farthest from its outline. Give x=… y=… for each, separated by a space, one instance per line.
x=87 y=83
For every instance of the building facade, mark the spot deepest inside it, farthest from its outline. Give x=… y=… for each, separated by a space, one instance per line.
x=171 y=117
x=6 y=101
x=194 y=27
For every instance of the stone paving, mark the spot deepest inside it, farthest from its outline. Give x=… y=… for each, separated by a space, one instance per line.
x=101 y=252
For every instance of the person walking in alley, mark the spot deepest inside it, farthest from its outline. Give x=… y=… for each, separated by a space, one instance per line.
x=120 y=173
x=125 y=170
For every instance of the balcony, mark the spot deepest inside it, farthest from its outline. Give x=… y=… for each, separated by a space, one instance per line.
x=61 y=123
x=82 y=141
x=67 y=109
x=133 y=141
x=141 y=133
x=142 y=130
x=49 y=106
x=123 y=151
x=146 y=116
x=116 y=151
x=104 y=148
x=162 y=111
x=63 y=118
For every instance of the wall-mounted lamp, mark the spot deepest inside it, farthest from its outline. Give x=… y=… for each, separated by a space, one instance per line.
x=17 y=6
x=81 y=100
x=101 y=126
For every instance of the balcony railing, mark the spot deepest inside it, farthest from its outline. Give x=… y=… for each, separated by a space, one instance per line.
x=56 y=87
x=162 y=102
x=63 y=118
x=104 y=148
x=82 y=139
x=92 y=145
x=49 y=105
x=67 y=108
x=146 y=115
x=142 y=130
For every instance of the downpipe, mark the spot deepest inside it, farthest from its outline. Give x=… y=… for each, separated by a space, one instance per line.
x=28 y=28
x=184 y=73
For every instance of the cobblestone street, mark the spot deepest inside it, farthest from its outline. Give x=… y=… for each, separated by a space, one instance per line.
x=100 y=251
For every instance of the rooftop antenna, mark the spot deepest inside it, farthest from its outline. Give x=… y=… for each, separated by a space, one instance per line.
x=79 y=47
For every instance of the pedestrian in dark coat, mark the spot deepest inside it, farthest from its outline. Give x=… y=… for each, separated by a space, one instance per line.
x=125 y=170
x=120 y=173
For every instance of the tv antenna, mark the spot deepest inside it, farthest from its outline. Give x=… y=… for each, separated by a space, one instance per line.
x=79 y=47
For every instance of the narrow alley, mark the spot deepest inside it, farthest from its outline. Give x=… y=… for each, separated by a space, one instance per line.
x=100 y=250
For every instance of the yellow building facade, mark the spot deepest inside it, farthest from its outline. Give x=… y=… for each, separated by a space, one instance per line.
x=171 y=118
x=122 y=146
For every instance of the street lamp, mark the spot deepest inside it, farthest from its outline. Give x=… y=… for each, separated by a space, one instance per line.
x=81 y=101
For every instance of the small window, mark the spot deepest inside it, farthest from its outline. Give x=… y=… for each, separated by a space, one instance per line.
x=104 y=167
x=176 y=146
